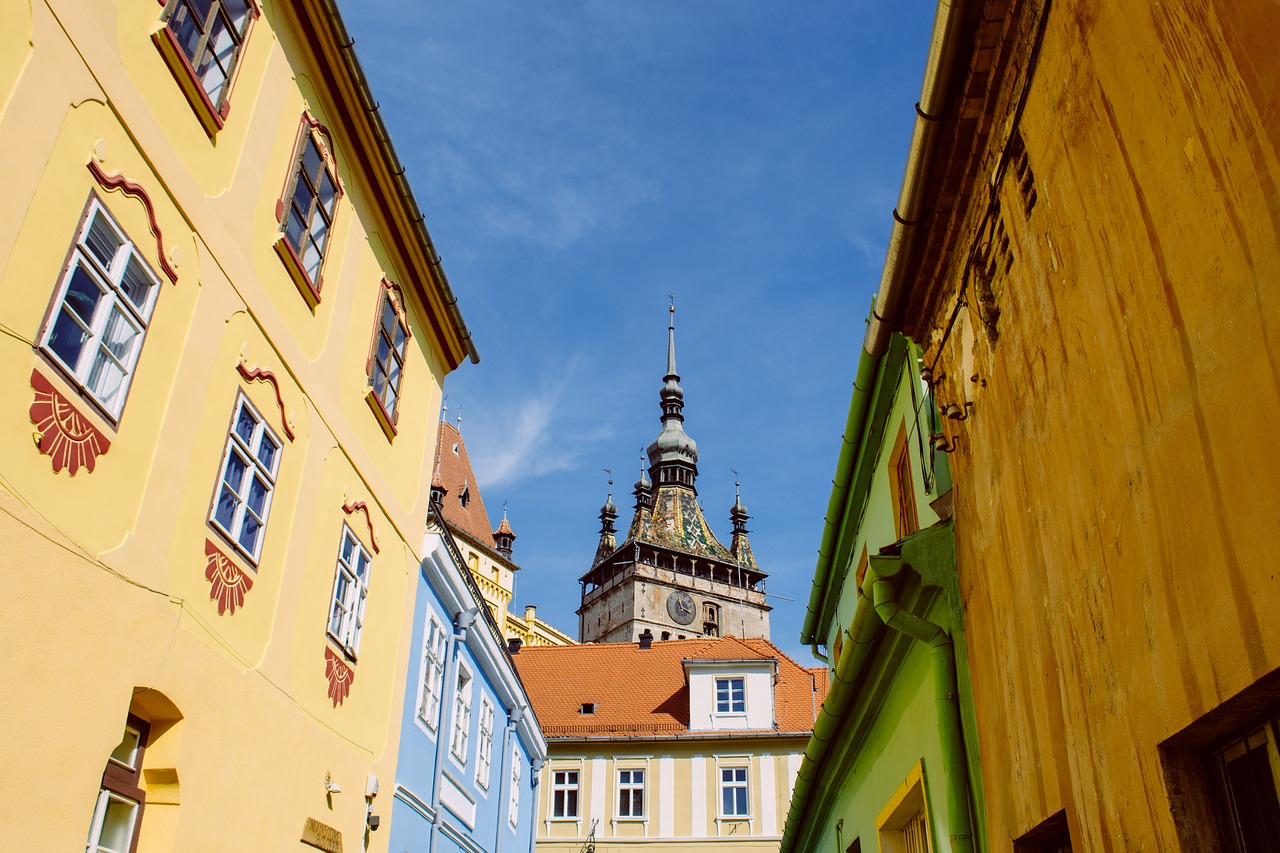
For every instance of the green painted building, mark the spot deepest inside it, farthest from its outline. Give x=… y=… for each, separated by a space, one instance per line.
x=892 y=764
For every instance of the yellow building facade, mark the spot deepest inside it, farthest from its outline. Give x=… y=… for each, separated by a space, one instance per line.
x=225 y=331
x=1085 y=248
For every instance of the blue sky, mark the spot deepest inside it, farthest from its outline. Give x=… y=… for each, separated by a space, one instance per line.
x=579 y=161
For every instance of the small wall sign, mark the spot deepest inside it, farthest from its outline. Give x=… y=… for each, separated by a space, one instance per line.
x=321 y=835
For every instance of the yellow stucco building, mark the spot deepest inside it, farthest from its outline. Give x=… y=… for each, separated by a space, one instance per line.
x=224 y=335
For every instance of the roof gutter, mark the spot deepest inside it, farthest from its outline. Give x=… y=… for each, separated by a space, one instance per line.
x=386 y=150
x=885 y=319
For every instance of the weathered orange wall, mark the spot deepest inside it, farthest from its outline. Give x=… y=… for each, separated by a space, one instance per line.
x=1118 y=482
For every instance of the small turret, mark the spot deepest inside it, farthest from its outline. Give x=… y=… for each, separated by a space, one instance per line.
x=608 y=515
x=504 y=537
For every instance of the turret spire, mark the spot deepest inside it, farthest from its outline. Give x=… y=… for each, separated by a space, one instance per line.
x=608 y=514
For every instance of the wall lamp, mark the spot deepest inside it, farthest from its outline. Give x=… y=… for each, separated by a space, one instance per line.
x=941 y=443
x=330 y=786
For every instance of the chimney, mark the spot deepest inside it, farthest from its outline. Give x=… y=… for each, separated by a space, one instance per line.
x=513 y=645
x=646 y=639
x=530 y=613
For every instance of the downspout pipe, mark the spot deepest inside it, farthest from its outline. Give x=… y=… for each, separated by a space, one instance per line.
x=461 y=622
x=514 y=716
x=894 y=282
x=880 y=578
x=535 y=774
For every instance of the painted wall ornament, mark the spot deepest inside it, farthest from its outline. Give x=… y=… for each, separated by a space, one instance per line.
x=228 y=583
x=63 y=434
x=340 y=676
x=360 y=506
x=116 y=181
x=257 y=374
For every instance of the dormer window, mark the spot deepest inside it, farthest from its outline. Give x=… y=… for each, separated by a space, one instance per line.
x=731 y=695
x=464 y=497
x=587 y=708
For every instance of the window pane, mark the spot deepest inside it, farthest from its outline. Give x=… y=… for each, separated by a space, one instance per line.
x=249 y=533
x=105 y=379
x=119 y=335
x=233 y=476
x=117 y=825
x=258 y=491
x=238 y=13
x=302 y=197
x=137 y=284
x=400 y=336
x=1253 y=793
x=212 y=76
x=312 y=162
x=389 y=403
x=348 y=545
x=67 y=338
x=311 y=260
x=83 y=294
x=295 y=229
x=389 y=320
x=328 y=193
x=226 y=512
x=245 y=424
x=267 y=453
x=102 y=240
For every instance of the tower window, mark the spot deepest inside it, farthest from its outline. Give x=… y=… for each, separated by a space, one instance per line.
x=464 y=497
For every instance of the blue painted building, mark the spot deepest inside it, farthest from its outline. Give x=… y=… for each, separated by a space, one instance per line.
x=470 y=746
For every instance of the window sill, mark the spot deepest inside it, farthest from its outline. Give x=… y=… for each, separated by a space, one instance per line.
x=210 y=116
x=293 y=264
x=234 y=545
x=379 y=411
x=348 y=653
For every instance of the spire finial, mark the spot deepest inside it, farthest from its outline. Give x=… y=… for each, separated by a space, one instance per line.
x=504 y=510
x=444 y=409
x=459 y=418
x=737 y=492
x=609 y=471
x=671 y=340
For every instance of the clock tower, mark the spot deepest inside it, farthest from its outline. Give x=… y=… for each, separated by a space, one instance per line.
x=670 y=575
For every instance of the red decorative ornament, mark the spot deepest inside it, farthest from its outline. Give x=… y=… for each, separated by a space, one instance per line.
x=257 y=374
x=359 y=506
x=117 y=181
x=227 y=582
x=66 y=436
x=340 y=676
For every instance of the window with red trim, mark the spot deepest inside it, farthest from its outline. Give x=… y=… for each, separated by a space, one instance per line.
x=211 y=35
x=308 y=215
x=386 y=362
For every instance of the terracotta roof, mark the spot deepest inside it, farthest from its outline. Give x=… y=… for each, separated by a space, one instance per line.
x=644 y=692
x=456 y=475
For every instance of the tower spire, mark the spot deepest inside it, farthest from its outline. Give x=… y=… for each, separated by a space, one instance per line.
x=608 y=514
x=673 y=455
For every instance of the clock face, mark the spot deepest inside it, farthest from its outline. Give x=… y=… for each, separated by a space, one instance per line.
x=680 y=607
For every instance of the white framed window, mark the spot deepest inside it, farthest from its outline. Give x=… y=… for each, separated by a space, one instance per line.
x=564 y=793
x=484 y=743
x=432 y=674
x=513 y=805
x=461 y=715
x=734 y=801
x=350 y=589
x=731 y=695
x=117 y=810
x=631 y=793
x=100 y=310
x=249 y=465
